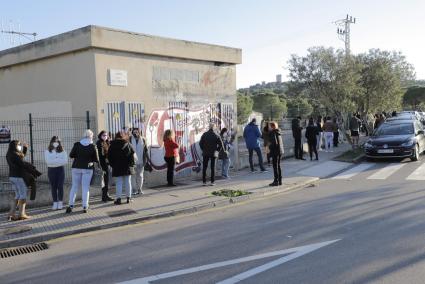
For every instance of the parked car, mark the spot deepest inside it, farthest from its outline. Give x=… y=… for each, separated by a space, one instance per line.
x=396 y=139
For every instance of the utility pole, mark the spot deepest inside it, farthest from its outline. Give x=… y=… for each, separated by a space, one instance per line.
x=343 y=31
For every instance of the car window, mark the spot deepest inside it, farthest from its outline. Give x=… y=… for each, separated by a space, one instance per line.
x=395 y=129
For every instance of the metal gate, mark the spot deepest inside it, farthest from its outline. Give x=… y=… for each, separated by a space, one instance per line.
x=136 y=116
x=227 y=115
x=115 y=116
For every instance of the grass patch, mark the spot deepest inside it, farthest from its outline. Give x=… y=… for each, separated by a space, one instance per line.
x=350 y=155
x=230 y=193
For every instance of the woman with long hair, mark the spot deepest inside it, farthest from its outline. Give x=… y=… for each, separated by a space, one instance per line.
x=224 y=154
x=171 y=154
x=56 y=158
x=122 y=160
x=103 y=145
x=15 y=159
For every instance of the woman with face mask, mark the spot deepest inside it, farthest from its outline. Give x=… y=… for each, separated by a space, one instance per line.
x=56 y=159
x=103 y=143
x=15 y=159
x=224 y=153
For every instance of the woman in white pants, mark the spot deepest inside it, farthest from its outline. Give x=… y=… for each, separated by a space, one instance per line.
x=85 y=155
x=319 y=125
x=328 y=129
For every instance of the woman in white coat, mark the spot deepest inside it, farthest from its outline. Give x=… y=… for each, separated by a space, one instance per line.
x=56 y=158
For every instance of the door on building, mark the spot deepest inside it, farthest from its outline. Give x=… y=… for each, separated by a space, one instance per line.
x=136 y=116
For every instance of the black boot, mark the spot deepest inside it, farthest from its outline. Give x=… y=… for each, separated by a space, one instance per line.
x=274 y=183
x=105 y=195
x=118 y=201
x=280 y=182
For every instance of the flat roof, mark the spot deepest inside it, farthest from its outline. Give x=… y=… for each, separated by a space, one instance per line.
x=118 y=40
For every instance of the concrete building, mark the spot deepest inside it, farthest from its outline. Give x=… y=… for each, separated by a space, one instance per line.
x=124 y=79
x=279 y=78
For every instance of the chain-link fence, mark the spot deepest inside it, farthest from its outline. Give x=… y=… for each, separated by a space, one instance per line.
x=37 y=132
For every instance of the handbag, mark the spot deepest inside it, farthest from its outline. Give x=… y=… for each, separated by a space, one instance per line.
x=216 y=153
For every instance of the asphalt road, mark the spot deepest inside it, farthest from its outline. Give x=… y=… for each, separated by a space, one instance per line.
x=379 y=223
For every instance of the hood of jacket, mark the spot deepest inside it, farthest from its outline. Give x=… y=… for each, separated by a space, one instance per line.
x=86 y=141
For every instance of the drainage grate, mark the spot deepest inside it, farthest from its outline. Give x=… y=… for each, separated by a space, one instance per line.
x=6 y=253
x=120 y=213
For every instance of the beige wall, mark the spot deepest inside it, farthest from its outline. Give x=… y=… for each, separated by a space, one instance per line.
x=216 y=84
x=58 y=86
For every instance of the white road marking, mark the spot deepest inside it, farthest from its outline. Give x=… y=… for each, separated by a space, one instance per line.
x=418 y=174
x=354 y=171
x=294 y=253
x=387 y=171
x=324 y=169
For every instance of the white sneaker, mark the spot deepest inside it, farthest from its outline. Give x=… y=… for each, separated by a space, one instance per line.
x=55 y=206
x=60 y=205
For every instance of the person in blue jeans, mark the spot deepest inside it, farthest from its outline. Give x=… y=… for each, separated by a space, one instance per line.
x=85 y=156
x=224 y=154
x=252 y=135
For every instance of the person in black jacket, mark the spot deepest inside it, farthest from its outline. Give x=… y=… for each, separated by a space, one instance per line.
x=276 y=152
x=210 y=144
x=296 y=133
x=102 y=145
x=17 y=170
x=311 y=133
x=85 y=156
x=122 y=160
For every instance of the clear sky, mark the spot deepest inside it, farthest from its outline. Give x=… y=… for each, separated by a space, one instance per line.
x=268 y=31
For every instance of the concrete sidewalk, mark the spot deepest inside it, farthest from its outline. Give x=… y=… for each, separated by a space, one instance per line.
x=164 y=202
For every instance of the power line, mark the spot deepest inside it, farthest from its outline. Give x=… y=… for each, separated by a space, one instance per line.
x=343 y=31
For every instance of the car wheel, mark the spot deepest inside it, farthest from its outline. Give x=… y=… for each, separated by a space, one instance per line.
x=415 y=155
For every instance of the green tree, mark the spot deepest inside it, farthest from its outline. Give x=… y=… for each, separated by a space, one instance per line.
x=270 y=105
x=299 y=107
x=383 y=74
x=244 y=106
x=414 y=98
x=328 y=77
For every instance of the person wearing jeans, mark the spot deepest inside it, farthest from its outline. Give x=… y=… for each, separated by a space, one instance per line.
x=122 y=159
x=252 y=136
x=224 y=154
x=328 y=129
x=141 y=149
x=84 y=155
x=210 y=145
x=56 y=158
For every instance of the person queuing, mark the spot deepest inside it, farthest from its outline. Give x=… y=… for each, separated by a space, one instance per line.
x=122 y=159
x=297 y=134
x=17 y=171
x=224 y=154
x=85 y=156
x=319 y=125
x=265 y=135
x=336 y=132
x=328 y=129
x=251 y=134
x=56 y=158
x=355 y=130
x=171 y=156
x=276 y=152
x=141 y=149
x=103 y=145
x=210 y=145
x=311 y=134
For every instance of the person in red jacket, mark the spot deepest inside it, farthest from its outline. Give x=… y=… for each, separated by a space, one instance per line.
x=171 y=155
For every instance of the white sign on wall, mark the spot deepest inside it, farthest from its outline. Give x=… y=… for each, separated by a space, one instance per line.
x=117 y=77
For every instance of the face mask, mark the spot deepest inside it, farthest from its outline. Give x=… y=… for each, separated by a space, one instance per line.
x=135 y=135
x=19 y=148
x=55 y=144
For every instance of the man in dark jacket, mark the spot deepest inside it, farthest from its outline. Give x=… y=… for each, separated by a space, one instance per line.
x=276 y=152
x=296 y=133
x=252 y=135
x=210 y=144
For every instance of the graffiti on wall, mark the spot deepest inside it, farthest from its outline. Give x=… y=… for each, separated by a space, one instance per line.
x=188 y=125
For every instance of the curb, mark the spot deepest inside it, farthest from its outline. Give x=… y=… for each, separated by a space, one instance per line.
x=162 y=215
x=359 y=159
